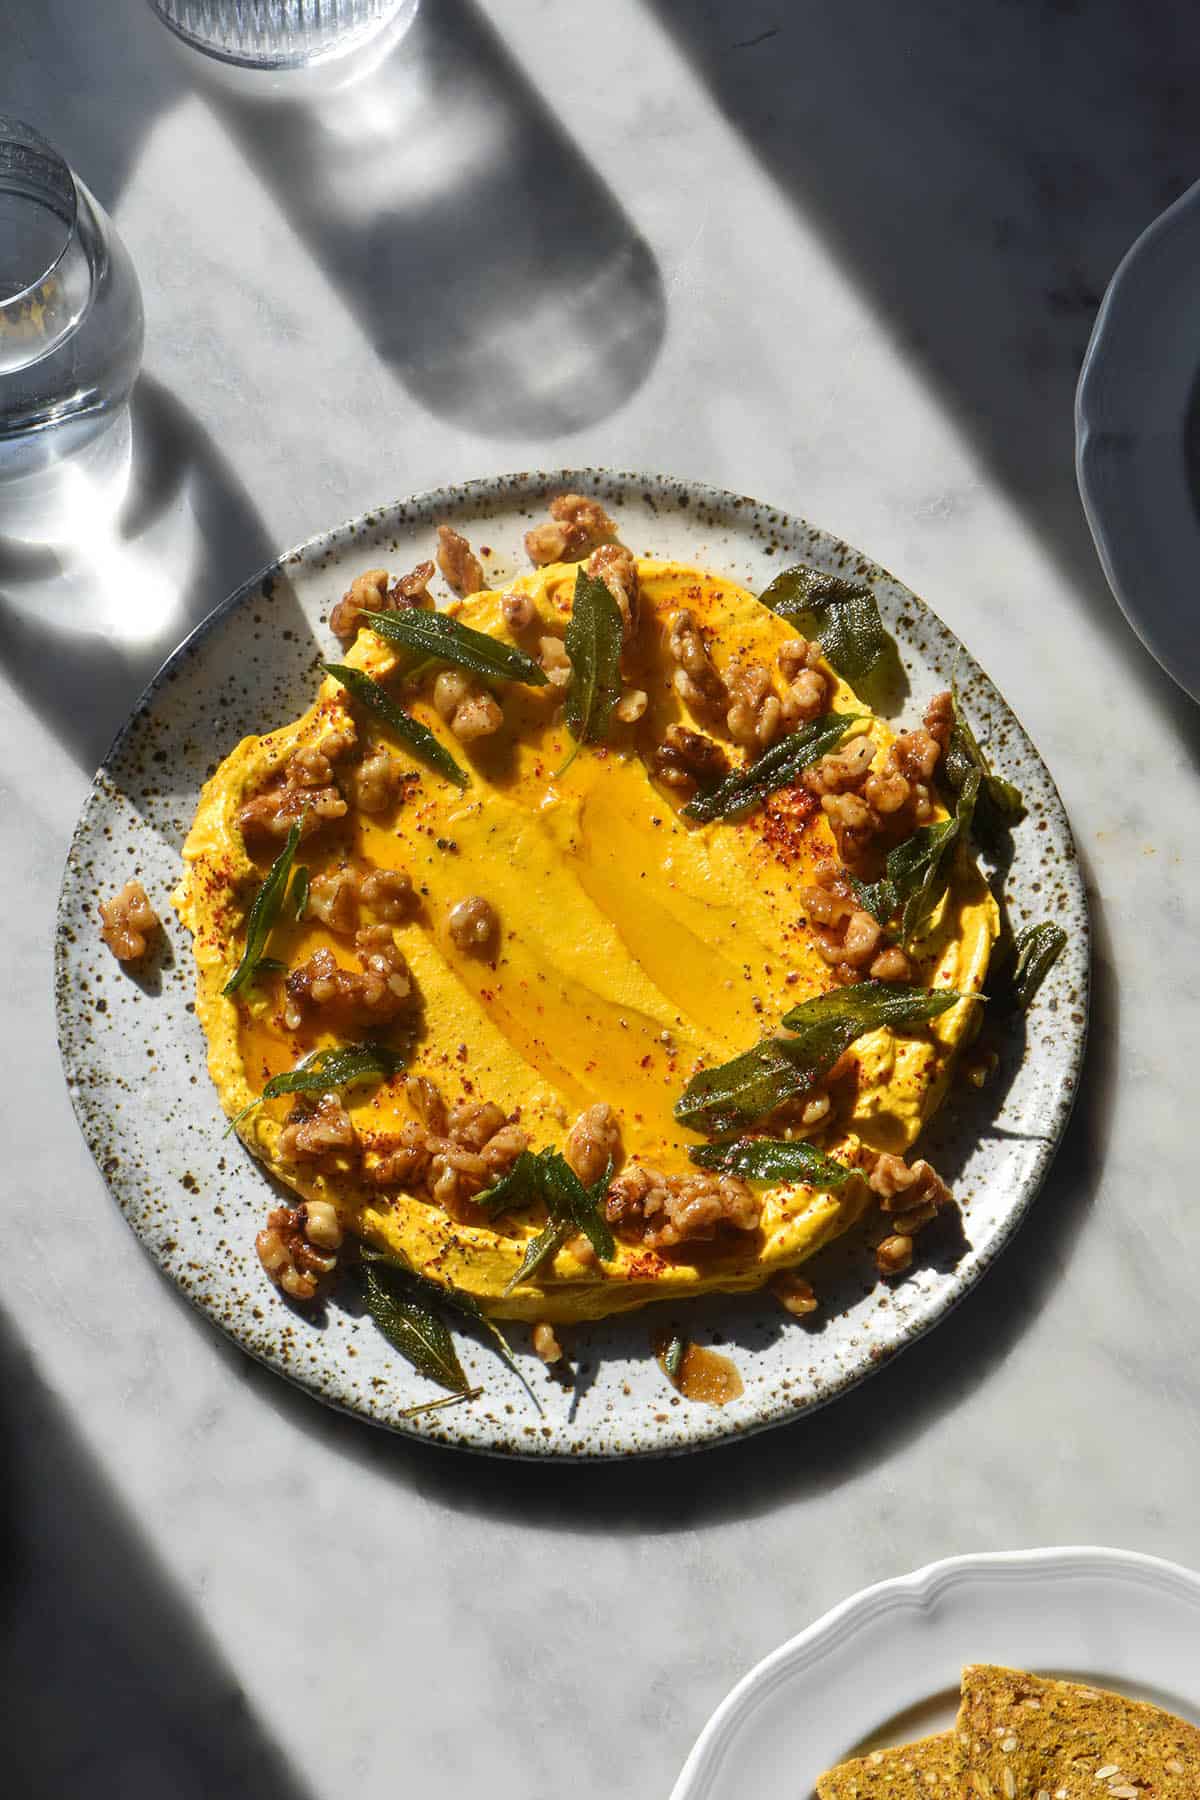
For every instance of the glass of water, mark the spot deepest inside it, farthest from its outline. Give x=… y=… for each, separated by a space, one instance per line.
x=71 y=329
x=327 y=38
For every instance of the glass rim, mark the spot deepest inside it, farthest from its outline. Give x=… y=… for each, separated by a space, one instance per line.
x=17 y=133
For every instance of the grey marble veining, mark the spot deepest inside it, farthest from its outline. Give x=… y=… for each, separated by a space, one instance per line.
x=650 y=238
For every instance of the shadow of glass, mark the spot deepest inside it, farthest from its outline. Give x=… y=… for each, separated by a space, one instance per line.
x=492 y=268
x=86 y=622
x=980 y=171
x=116 y=1685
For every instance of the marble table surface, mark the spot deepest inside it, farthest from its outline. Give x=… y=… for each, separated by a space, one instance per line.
x=842 y=258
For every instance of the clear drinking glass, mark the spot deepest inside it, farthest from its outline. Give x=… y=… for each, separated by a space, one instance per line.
x=272 y=36
x=71 y=329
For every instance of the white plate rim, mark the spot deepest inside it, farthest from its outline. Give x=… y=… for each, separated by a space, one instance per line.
x=918 y=1591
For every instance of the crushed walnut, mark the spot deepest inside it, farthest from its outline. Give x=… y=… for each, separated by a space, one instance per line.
x=695 y=680
x=849 y=938
x=576 y=526
x=519 y=611
x=458 y=562
x=323 y=1134
x=667 y=1210
x=808 y=686
x=910 y=1196
x=546 y=1344
x=305 y=792
x=370 y=592
x=378 y=993
x=469 y=710
x=755 y=712
x=552 y=655
x=593 y=1143
x=378 y=781
x=299 y=1245
x=127 y=921
x=448 y=1155
x=794 y=1294
x=687 y=759
x=474 y=924
x=335 y=897
x=614 y=566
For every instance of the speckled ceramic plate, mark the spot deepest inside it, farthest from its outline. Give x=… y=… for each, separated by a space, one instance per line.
x=134 y=1055
x=1137 y=438
x=884 y=1666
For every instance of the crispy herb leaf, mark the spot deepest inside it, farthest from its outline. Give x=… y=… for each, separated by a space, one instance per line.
x=298 y=894
x=434 y=1294
x=876 y=897
x=772 y=1159
x=339 y=1067
x=748 y=1087
x=997 y=797
x=548 y=1177
x=1038 y=948
x=424 y=1406
x=522 y=1186
x=674 y=1354
x=415 y=736
x=439 y=637
x=415 y=1331
x=843 y=614
x=268 y=903
x=775 y=768
x=593 y=644
x=919 y=869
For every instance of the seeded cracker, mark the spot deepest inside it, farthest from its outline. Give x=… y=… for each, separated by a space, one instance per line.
x=926 y=1770
x=1028 y=1739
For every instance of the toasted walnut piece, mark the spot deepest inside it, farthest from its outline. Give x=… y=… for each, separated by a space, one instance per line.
x=756 y=713
x=668 y=1210
x=696 y=680
x=375 y=996
x=794 y=1294
x=519 y=611
x=309 y=767
x=894 y=1255
x=366 y=593
x=939 y=718
x=388 y=893
x=458 y=562
x=425 y=1098
x=795 y=655
x=469 y=710
x=578 y=525
x=582 y=1250
x=333 y=899
x=546 y=1344
x=473 y=924
x=503 y=1148
x=297 y=1247
x=377 y=781
x=826 y=905
x=593 y=1142
x=269 y=816
x=808 y=686
x=854 y=824
x=126 y=922
x=901 y=1186
x=886 y=789
x=406 y=1164
x=917 y=754
x=614 y=566
x=686 y=759
x=854 y=945
x=473 y=1123
x=314 y=1137
x=552 y=655
x=892 y=964
x=631 y=706
x=843 y=770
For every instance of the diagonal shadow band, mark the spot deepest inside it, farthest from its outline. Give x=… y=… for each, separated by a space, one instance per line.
x=493 y=270
x=979 y=171
x=85 y=625
x=116 y=1684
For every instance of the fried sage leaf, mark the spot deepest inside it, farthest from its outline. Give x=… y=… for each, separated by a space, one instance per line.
x=438 y=637
x=434 y=1294
x=415 y=736
x=997 y=797
x=340 y=1067
x=737 y=1093
x=572 y=1208
x=775 y=768
x=415 y=1330
x=919 y=869
x=1038 y=948
x=298 y=893
x=522 y=1186
x=842 y=614
x=876 y=897
x=267 y=906
x=593 y=645
x=772 y=1159
x=673 y=1356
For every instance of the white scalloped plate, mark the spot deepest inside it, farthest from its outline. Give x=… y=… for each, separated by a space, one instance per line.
x=134 y=1055
x=883 y=1667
